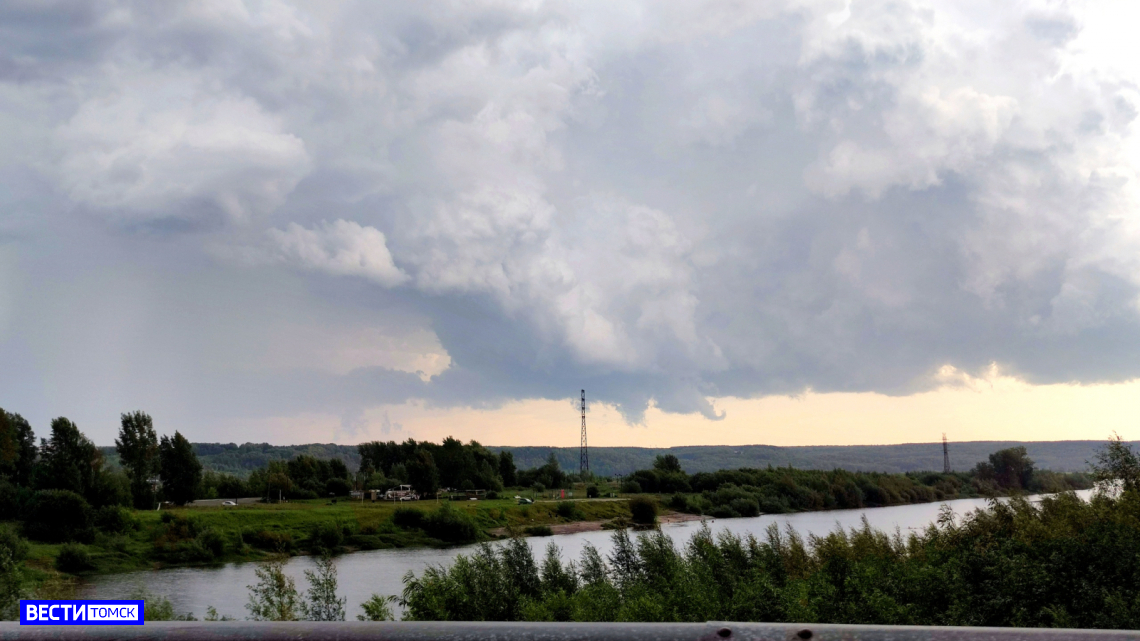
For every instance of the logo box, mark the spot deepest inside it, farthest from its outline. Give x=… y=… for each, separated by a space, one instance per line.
x=81 y=612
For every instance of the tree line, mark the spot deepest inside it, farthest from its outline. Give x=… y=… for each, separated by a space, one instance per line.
x=750 y=492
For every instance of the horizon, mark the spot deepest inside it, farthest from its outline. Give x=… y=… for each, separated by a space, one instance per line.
x=798 y=223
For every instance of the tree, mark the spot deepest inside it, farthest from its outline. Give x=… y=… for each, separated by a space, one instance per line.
x=179 y=468
x=1117 y=463
x=378 y=608
x=422 y=473
x=667 y=463
x=507 y=469
x=275 y=597
x=137 y=446
x=69 y=461
x=322 y=603
x=1012 y=468
x=17 y=448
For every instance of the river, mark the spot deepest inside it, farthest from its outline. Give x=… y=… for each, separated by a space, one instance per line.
x=381 y=571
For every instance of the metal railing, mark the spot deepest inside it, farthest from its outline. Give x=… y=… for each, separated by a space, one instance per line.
x=449 y=631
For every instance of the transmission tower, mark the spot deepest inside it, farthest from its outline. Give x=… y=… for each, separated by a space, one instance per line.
x=584 y=457
x=945 y=454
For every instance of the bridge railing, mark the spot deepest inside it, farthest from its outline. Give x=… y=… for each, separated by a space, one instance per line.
x=469 y=631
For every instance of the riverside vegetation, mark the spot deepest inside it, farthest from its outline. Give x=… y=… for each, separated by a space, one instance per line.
x=1062 y=563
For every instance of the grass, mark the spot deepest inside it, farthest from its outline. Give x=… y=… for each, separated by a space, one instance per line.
x=247 y=531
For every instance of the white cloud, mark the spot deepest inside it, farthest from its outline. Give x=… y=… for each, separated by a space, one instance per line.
x=341 y=248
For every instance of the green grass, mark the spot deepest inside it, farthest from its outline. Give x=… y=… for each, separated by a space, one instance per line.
x=365 y=526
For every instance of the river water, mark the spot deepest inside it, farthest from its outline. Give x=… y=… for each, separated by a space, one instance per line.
x=381 y=571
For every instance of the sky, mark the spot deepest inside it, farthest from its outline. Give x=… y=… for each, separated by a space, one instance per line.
x=789 y=222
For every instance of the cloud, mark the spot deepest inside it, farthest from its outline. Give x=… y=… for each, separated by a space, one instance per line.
x=662 y=202
x=340 y=248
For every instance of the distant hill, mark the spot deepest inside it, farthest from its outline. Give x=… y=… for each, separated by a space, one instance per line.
x=1062 y=456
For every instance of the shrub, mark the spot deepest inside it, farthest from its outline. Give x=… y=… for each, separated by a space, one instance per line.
x=325 y=536
x=539 y=530
x=491 y=496
x=273 y=541
x=592 y=492
x=115 y=519
x=723 y=512
x=679 y=502
x=630 y=487
x=59 y=515
x=451 y=525
x=408 y=517
x=643 y=510
x=212 y=541
x=745 y=507
x=567 y=510
x=73 y=558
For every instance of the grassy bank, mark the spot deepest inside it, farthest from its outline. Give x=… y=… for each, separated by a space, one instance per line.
x=210 y=535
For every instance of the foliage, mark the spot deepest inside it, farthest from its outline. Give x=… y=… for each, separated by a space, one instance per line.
x=643 y=510
x=70 y=461
x=115 y=519
x=180 y=471
x=1063 y=563
x=378 y=608
x=322 y=603
x=408 y=517
x=592 y=492
x=630 y=487
x=274 y=597
x=549 y=475
x=539 y=530
x=422 y=473
x=17 y=448
x=428 y=466
x=451 y=525
x=73 y=558
x=59 y=515
x=1008 y=469
x=159 y=608
x=325 y=536
x=1116 y=463
x=13 y=551
x=137 y=447
x=569 y=510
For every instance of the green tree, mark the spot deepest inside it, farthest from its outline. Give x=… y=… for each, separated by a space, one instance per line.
x=179 y=468
x=17 y=448
x=69 y=461
x=322 y=603
x=275 y=597
x=423 y=475
x=667 y=463
x=1012 y=468
x=507 y=470
x=1117 y=463
x=137 y=446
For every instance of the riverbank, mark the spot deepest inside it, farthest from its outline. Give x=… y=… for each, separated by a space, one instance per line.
x=209 y=535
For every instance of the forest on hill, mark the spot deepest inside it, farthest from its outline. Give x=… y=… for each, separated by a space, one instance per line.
x=1060 y=456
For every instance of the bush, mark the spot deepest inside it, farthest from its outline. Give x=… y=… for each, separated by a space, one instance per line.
x=59 y=515
x=491 y=496
x=325 y=536
x=73 y=558
x=408 y=517
x=592 y=492
x=567 y=510
x=643 y=510
x=337 y=487
x=539 y=530
x=212 y=541
x=451 y=525
x=272 y=541
x=746 y=507
x=679 y=502
x=630 y=487
x=115 y=519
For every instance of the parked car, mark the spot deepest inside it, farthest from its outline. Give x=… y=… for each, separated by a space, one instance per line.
x=228 y=503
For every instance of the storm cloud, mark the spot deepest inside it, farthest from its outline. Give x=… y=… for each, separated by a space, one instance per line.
x=223 y=209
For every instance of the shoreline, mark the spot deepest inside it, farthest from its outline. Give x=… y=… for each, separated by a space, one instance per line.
x=597 y=526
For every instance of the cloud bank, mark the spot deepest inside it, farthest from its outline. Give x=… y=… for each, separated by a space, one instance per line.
x=661 y=202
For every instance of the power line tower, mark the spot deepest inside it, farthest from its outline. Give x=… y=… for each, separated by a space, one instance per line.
x=584 y=457
x=945 y=455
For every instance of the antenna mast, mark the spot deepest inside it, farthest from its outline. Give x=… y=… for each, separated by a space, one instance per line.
x=945 y=454
x=584 y=457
